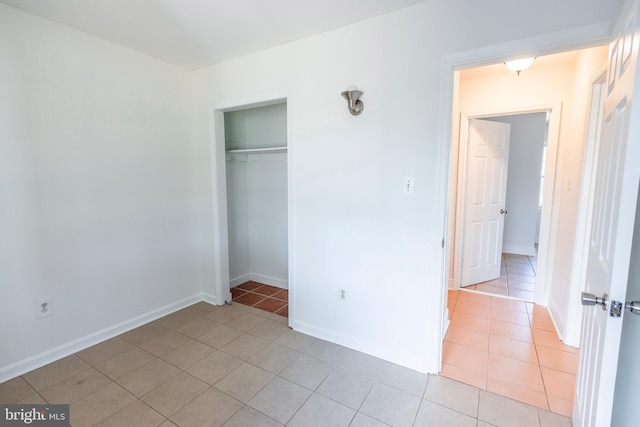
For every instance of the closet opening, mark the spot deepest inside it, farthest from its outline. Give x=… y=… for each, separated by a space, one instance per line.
x=256 y=175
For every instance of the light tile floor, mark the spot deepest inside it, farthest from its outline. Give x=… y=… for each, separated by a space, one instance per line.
x=510 y=348
x=517 y=278
x=240 y=366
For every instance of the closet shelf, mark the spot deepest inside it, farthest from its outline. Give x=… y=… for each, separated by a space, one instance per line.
x=258 y=150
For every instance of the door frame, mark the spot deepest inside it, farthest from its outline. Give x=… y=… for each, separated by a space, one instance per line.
x=572 y=39
x=220 y=292
x=545 y=251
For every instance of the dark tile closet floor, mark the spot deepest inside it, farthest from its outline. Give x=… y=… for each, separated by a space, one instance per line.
x=261 y=296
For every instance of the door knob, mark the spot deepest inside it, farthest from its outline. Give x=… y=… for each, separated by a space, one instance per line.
x=591 y=299
x=504 y=211
x=633 y=307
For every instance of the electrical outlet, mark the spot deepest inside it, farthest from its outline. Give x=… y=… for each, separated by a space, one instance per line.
x=343 y=295
x=408 y=185
x=43 y=307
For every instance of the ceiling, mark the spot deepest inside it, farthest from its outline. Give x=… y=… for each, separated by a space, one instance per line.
x=540 y=62
x=197 y=33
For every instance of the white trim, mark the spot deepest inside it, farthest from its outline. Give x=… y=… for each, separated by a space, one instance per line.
x=519 y=250
x=260 y=278
x=34 y=362
x=385 y=353
x=573 y=327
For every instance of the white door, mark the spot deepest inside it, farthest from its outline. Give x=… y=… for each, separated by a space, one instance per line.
x=484 y=202
x=613 y=214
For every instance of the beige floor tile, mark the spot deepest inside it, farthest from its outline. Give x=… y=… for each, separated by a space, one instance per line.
x=307 y=371
x=346 y=388
x=225 y=314
x=247 y=322
x=76 y=387
x=517 y=392
x=214 y=367
x=274 y=358
x=96 y=407
x=502 y=411
x=391 y=406
x=453 y=395
x=33 y=399
x=247 y=416
x=164 y=343
x=362 y=420
x=549 y=419
x=137 y=414
x=431 y=414
x=296 y=341
x=560 y=406
x=173 y=395
x=119 y=366
x=280 y=399
x=143 y=333
x=15 y=390
x=198 y=327
x=245 y=346
x=105 y=350
x=319 y=410
x=148 y=377
x=271 y=330
x=188 y=354
x=212 y=408
x=220 y=336
x=55 y=372
x=244 y=382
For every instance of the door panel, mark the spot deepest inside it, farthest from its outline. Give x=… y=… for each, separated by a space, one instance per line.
x=486 y=189
x=614 y=207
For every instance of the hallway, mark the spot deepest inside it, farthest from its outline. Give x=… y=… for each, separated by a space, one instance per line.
x=509 y=347
x=517 y=278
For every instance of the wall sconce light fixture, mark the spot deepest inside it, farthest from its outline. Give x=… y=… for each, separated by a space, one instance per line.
x=352 y=96
x=519 y=64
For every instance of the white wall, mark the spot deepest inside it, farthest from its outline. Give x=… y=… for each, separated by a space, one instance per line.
x=353 y=228
x=98 y=198
x=108 y=193
x=523 y=181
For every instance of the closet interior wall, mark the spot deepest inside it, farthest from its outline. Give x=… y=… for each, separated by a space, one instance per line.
x=256 y=167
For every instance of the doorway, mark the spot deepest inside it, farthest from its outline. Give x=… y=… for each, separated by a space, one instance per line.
x=499 y=252
x=252 y=214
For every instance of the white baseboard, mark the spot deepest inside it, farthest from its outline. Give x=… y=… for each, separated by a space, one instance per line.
x=37 y=361
x=519 y=250
x=384 y=354
x=272 y=281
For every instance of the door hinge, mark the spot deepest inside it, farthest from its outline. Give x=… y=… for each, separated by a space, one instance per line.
x=443 y=243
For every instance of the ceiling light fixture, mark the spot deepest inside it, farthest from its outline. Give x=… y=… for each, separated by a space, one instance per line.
x=519 y=64
x=352 y=95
